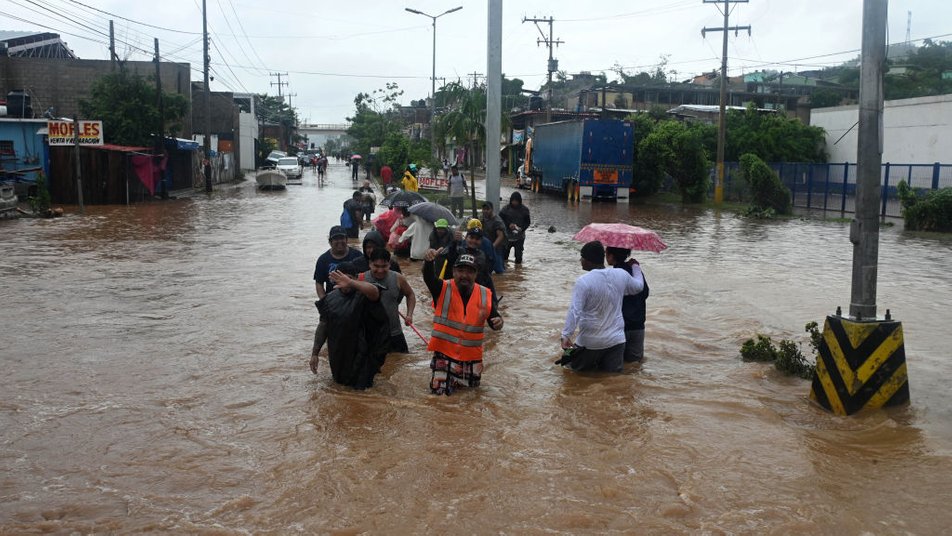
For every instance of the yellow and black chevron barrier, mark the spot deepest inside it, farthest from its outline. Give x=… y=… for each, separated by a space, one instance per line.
x=861 y=365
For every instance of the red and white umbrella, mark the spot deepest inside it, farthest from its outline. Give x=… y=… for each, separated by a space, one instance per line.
x=621 y=235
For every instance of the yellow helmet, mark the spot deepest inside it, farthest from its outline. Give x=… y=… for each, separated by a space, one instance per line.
x=474 y=224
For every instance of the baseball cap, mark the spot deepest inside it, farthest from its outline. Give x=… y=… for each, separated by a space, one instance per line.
x=475 y=231
x=465 y=260
x=337 y=230
x=487 y=204
x=441 y=223
x=474 y=224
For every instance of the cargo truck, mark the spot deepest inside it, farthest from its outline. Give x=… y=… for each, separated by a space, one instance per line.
x=585 y=159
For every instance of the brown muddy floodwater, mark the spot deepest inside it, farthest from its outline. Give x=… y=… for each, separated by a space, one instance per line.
x=155 y=379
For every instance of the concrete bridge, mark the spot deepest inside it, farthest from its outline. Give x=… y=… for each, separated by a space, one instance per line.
x=319 y=134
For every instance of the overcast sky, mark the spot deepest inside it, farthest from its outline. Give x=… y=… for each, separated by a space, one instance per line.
x=331 y=50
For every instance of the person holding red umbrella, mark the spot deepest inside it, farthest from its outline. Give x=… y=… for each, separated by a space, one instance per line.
x=596 y=314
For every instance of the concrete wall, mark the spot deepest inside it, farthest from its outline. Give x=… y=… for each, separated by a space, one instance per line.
x=63 y=83
x=916 y=131
x=248 y=130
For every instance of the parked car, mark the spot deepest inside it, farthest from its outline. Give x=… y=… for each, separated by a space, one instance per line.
x=290 y=166
x=272 y=160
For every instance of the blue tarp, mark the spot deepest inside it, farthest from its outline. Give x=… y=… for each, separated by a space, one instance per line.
x=183 y=144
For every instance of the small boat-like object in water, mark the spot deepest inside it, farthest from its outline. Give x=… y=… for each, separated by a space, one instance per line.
x=271 y=179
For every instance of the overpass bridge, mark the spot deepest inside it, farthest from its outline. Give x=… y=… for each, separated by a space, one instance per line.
x=318 y=134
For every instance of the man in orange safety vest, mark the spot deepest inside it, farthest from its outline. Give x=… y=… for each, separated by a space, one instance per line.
x=461 y=310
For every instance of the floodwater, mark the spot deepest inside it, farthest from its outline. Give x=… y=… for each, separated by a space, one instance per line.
x=155 y=379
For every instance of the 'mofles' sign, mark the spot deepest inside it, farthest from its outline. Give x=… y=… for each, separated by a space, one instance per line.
x=61 y=132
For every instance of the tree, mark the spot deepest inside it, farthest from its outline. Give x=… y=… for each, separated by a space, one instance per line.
x=126 y=104
x=766 y=190
x=374 y=119
x=464 y=117
x=771 y=136
x=676 y=149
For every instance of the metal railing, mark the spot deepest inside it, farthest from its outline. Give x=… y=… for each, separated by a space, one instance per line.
x=832 y=186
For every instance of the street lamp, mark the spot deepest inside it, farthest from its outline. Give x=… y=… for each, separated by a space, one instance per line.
x=433 y=77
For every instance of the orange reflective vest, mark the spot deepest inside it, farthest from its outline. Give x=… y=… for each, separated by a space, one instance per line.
x=458 y=333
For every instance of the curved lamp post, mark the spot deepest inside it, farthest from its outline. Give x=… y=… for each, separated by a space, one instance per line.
x=433 y=77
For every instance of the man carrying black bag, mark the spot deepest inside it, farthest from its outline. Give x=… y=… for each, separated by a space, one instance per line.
x=358 y=331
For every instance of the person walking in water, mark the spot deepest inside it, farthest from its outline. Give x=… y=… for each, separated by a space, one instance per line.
x=354 y=168
x=358 y=331
x=515 y=216
x=461 y=309
x=596 y=312
x=410 y=182
x=633 y=308
x=393 y=288
x=338 y=253
x=457 y=190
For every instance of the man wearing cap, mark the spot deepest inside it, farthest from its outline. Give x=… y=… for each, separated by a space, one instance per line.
x=327 y=263
x=515 y=216
x=357 y=329
x=495 y=230
x=596 y=312
x=461 y=309
x=441 y=236
x=457 y=190
x=410 y=182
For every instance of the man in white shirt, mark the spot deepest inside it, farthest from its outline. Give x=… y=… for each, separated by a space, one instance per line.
x=596 y=313
x=457 y=190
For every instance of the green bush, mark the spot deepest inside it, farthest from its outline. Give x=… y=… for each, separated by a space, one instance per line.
x=676 y=149
x=931 y=212
x=40 y=203
x=788 y=358
x=766 y=190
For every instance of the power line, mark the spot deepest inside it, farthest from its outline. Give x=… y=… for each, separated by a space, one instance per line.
x=134 y=21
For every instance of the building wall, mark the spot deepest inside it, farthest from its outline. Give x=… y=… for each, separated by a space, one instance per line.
x=248 y=130
x=915 y=130
x=63 y=83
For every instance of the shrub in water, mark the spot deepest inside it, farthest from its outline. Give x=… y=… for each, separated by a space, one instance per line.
x=788 y=358
x=766 y=190
x=931 y=212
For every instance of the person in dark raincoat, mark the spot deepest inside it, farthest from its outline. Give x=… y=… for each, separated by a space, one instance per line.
x=358 y=331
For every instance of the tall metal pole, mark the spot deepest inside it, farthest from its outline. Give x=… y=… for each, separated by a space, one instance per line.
x=160 y=104
x=864 y=229
x=433 y=74
x=493 y=101
x=79 y=167
x=207 y=149
x=433 y=148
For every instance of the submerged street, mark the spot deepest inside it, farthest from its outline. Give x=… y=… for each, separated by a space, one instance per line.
x=156 y=378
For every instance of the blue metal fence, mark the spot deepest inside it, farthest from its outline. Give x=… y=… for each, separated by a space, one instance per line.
x=833 y=186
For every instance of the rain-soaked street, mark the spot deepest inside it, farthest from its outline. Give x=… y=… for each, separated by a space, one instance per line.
x=155 y=379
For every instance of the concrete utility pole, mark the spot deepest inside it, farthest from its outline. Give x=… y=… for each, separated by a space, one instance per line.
x=493 y=101
x=553 y=65
x=112 y=47
x=476 y=77
x=207 y=142
x=79 y=166
x=722 y=117
x=279 y=83
x=160 y=104
x=864 y=230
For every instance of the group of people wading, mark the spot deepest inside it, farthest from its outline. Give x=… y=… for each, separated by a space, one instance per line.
x=359 y=293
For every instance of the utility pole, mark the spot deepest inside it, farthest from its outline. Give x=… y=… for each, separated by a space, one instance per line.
x=493 y=101
x=290 y=133
x=160 y=131
x=207 y=141
x=722 y=117
x=112 y=47
x=864 y=230
x=553 y=65
x=476 y=77
x=279 y=83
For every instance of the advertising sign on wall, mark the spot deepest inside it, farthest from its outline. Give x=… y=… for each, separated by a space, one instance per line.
x=61 y=133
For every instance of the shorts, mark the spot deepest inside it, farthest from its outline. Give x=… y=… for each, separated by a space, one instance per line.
x=450 y=374
x=608 y=359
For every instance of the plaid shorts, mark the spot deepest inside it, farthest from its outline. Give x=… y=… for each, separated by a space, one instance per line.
x=450 y=374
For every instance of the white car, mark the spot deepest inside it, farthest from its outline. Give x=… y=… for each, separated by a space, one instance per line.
x=290 y=166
